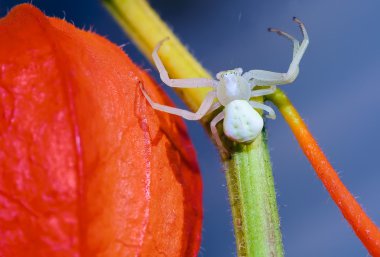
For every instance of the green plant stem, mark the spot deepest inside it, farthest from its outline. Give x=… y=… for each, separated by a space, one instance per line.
x=253 y=200
x=248 y=171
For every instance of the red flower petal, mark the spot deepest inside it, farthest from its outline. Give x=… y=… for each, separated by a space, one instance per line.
x=87 y=168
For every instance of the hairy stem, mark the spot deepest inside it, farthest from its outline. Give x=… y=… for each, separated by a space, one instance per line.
x=253 y=200
x=363 y=226
x=248 y=171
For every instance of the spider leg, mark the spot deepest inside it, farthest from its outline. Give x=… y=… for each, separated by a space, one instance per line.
x=305 y=42
x=215 y=133
x=296 y=43
x=213 y=107
x=262 y=77
x=271 y=114
x=205 y=106
x=261 y=92
x=180 y=83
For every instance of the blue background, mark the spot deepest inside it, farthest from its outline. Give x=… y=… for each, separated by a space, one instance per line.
x=337 y=94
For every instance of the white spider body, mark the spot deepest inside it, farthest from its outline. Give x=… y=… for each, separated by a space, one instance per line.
x=241 y=122
x=234 y=91
x=232 y=86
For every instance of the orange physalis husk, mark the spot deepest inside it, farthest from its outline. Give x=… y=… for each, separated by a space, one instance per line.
x=87 y=167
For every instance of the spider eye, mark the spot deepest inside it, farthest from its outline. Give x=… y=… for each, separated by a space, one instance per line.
x=234 y=72
x=238 y=71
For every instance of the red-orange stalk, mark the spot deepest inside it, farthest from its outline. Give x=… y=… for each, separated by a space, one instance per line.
x=363 y=226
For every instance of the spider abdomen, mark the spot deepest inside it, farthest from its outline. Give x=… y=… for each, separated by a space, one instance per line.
x=242 y=123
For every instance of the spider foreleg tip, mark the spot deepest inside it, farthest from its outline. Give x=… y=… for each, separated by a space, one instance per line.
x=295 y=19
x=274 y=30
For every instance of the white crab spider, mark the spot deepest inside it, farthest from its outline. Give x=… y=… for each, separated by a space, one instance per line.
x=234 y=90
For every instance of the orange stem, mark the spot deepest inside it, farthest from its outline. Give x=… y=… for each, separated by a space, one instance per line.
x=363 y=226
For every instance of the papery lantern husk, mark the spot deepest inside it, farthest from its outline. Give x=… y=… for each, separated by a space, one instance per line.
x=87 y=167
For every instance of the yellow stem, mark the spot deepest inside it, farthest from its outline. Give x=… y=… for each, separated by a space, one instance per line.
x=146 y=29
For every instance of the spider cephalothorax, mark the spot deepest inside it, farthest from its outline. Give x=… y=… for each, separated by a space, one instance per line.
x=232 y=86
x=234 y=90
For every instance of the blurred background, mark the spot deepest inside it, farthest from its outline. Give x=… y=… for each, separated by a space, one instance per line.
x=337 y=93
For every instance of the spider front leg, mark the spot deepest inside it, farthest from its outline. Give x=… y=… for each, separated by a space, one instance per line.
x=205 y=106
x=261 y=77
x=296 y=43
x=180 y=83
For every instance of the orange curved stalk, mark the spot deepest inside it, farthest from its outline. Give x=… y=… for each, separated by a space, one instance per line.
x=363 y=226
